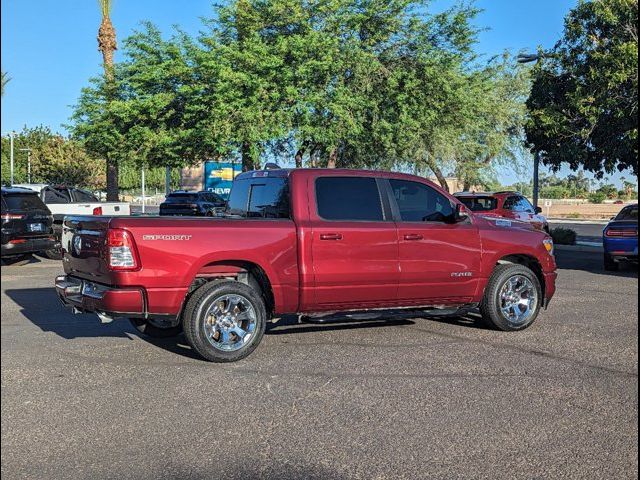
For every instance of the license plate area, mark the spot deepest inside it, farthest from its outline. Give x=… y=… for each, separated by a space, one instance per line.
x=35 y=227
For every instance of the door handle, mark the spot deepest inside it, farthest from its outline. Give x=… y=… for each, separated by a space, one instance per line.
x=413 y=237
x=331 y=236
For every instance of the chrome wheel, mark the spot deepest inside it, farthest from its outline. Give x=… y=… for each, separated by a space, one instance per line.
x=518 y=299
x=230 y=322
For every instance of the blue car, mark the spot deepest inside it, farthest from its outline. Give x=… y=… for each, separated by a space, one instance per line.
x=620 y=238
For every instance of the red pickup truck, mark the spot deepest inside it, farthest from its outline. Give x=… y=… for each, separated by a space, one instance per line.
x=305 y=242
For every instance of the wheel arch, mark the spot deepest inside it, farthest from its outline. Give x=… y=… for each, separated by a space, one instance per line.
x=525 y=260
x=244 y=271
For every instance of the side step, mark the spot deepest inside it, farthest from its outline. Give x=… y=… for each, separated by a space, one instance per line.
x=342 y=317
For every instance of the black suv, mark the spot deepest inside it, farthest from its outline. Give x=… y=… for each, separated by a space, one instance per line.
x=193 y=204
x=26 y=223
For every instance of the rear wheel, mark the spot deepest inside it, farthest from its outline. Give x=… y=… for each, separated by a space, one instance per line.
x=53 y=254
x=610 y=265
x=512 y=298
x=155 y=328
x=225 y=321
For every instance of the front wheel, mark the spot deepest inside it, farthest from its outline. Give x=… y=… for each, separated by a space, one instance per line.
x=155 y=328
x=225 y=321
x=512 y=298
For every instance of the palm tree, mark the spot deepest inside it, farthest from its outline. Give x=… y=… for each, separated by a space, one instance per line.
x=107 y=45
x=5 y=80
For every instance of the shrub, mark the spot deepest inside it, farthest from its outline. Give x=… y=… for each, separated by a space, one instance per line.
x=564 y=236
x=597 y=197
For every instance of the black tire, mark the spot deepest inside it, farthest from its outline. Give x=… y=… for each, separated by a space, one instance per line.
x=155 y=329
x=195 y=315
x=610 y=265
x=53 y=254
x=490 y=308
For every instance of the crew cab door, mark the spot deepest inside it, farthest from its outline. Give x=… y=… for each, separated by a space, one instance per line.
x=354 y=244
x=439 y=260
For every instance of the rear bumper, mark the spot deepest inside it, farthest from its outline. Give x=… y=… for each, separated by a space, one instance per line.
x=28 y=246
x=92 y=297
x=621 y=248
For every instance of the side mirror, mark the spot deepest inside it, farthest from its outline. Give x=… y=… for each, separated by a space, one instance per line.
x=462 y=213
x=538 y=209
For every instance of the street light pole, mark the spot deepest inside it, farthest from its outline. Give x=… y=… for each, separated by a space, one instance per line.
x=536 y=179
x=11 y=135
x=528 y=58
x=28 y=150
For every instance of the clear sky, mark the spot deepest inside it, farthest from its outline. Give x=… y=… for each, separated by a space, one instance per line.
x=49 y=48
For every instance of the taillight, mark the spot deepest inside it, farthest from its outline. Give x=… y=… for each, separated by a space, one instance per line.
x=12 y=216
x=621 y=232
x=122 y=253
x=97 y=211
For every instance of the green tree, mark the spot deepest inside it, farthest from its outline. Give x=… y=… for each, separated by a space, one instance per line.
x=584 y=101
x=5 y=79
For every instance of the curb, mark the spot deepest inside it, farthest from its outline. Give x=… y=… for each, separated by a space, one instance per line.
x=578 y=221
x=579 y=248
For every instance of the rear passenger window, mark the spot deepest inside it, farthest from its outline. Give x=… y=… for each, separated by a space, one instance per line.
x=260 y=198
x=349 y=198
x=83 y=196
x=420 y=203
x=56 y=195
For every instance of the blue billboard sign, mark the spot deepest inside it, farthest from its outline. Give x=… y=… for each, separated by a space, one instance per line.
x=218 y=177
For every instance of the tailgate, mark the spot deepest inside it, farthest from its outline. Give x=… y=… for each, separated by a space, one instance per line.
x=114 y=208
x=83 y=244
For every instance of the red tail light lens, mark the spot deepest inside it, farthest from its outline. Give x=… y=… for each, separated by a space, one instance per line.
x=12 y=216
x=122 y=253
x=621 y=232
x=97 y=211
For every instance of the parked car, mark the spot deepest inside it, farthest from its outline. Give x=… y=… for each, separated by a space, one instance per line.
x=26 y=224
x=511 y=205
x=65 y=200
x=620 y=238
x=193 y=204
x=305 y=242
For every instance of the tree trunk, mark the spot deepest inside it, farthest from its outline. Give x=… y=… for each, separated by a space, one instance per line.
x=247 y=160
x=113 y=192
x=333 y=158
x=107 y=45
x=299 y=155
x=438 y=173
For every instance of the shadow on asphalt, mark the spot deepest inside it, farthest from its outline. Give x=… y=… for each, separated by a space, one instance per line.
x=592 y=263
x=42 y=307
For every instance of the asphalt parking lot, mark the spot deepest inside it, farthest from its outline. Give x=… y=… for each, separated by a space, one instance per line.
x=396 y=397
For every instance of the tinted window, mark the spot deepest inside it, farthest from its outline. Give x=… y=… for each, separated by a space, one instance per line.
x=56 y=195
x=260 y=198
x=84 y=196
x=349 y=198
x=182 y=198
x=518 y=204
x=420 y=203
x=629 y=214
x=480 y=204
x=23 y=201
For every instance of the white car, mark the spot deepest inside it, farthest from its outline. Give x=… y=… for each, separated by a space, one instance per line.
x=63 y=200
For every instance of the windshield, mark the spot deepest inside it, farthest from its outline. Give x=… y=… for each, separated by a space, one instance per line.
x=629 y=214
x=479 y=204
